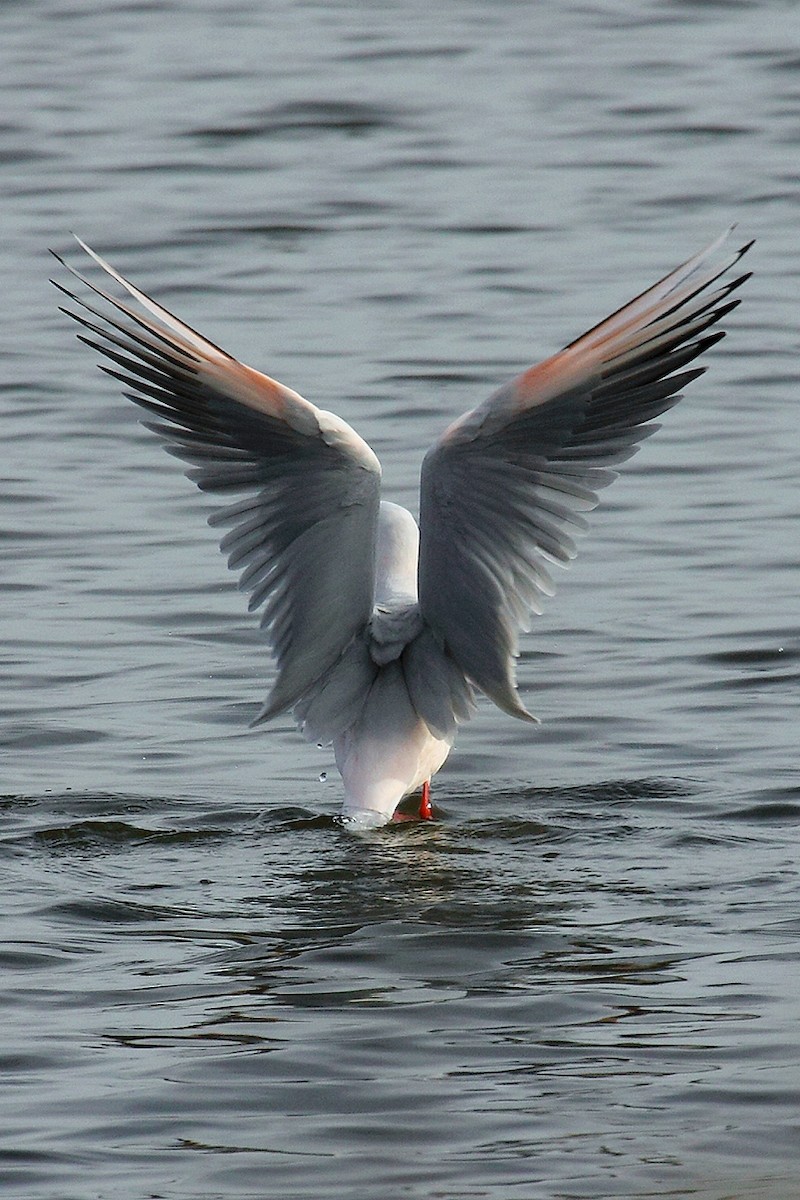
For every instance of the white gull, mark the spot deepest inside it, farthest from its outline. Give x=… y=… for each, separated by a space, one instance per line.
x=382 y=629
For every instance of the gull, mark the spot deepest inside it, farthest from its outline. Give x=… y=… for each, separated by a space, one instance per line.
x=382 y=629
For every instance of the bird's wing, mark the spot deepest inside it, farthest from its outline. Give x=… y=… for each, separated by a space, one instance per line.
x=505 y=488
x=303 y=534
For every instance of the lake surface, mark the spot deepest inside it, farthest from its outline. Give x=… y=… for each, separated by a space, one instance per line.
x=581 y=980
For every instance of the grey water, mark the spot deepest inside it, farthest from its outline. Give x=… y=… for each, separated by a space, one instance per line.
x=581 y=980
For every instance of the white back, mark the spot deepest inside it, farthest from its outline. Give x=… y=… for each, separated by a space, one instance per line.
x=396 y=556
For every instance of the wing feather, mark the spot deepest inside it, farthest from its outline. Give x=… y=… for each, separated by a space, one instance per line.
x=303 y=535
x=503 y=489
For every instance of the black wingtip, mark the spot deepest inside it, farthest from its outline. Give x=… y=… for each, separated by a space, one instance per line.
x=739 y=280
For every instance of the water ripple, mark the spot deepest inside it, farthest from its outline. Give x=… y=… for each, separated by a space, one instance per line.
x=579 y=979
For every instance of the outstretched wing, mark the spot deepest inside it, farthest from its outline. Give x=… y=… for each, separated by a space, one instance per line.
x=303 y=534
x=505 y=488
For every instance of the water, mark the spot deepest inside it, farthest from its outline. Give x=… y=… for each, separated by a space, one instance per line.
x=581 y=981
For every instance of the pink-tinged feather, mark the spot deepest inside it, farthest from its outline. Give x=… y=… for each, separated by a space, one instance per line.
x=185 y=333
x=235 y=379
x=649 y=320
x=652 y=297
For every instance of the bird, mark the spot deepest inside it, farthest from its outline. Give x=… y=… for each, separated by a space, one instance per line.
x=384 y=629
